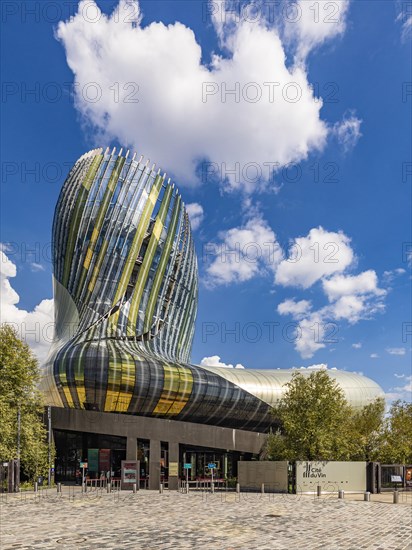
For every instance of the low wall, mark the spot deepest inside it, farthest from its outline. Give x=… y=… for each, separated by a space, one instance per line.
x=274 y=474
x=331 y=476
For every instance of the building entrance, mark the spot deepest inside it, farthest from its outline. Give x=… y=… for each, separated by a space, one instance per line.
x=103 y=455
x=200 y=458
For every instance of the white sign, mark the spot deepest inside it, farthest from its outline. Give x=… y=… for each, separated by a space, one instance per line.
x=396 y=479
x=331 y=476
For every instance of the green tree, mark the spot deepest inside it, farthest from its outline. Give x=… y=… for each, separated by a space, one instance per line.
x=317 y=423
x=396 y=439
x=365 y=431
x=276 y=447
x=19 y=397
x=313 y=417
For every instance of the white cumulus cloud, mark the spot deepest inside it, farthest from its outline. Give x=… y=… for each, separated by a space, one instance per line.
x=310 y=25
x=313 y=257
x=195 y=211
x=251 y=250
x=242 y=253
x=340 y=286
x=401 y=392
x=311 y=335
x=316 y=366
x=214 y=361
x=147 y=87
x=294 y=308
x=351 y=298
x=34 y=327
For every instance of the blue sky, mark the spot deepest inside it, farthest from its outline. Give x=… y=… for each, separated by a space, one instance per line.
x=346 y=153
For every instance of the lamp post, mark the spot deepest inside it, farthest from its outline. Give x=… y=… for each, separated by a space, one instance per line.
x=49 y=444
x=18 y=430
x=16 y=465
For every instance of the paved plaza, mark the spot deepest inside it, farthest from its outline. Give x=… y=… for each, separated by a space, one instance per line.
x=222 y=521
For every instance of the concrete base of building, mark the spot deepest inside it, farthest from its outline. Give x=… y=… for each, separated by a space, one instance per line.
x=156 y=430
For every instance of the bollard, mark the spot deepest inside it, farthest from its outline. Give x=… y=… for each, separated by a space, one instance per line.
x=134 y=487
x=238 y=487
x=262 y=488
x=367 y=496
x=59 y=487
x=396 y=497
x=161 y=488
x=319 y=490
x=341 y=493
x=35 y=487
x=109 y=487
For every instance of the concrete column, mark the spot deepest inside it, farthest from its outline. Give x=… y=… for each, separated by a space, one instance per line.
x=131 y=448
x=154 y=465
x=174 y=457
x=131 y=454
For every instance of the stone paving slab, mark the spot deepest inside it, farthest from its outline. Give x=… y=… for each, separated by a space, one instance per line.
x=221 y=521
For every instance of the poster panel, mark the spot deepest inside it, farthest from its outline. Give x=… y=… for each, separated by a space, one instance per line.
x=130 y=472
x=104 y=460
x=93 y=460
x=173 y=469
x=408 y=476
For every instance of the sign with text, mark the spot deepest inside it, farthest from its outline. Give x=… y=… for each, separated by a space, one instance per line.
x=211 y=465
x=187 y=466
x=129 y=471
x=330 y=475
x=396 y=479
x=173 y=469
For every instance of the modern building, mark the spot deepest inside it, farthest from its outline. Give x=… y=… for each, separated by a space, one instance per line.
x=118 y=374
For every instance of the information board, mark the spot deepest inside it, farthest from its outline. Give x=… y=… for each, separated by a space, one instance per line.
x=129 y=471
x=396 y=479
x=331 y=476
x=173 y=469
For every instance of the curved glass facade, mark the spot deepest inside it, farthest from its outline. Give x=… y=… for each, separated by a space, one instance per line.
x=125 y=291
